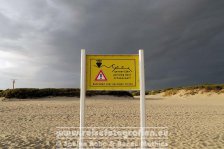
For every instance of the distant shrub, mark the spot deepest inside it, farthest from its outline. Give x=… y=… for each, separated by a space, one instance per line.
x=1 y=91
x=168 y=89
x=154 y=92
x=135 y=93
x=113 y=93
x=23 y=93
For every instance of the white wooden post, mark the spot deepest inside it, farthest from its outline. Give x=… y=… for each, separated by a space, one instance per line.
x=82 y=97
x=142 y=97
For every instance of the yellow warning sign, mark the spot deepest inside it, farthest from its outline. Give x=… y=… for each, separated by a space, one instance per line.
x=112 y=72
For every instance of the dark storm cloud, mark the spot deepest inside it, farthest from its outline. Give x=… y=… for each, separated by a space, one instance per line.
x=183 y=40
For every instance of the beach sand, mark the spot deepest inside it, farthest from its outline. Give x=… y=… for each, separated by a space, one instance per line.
x=193 y=121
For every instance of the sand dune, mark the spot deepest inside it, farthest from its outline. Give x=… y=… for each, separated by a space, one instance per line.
x=193 y=121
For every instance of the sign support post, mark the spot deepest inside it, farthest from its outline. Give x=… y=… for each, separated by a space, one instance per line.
x=142 y=97
x=82 y=97
x=130 y=70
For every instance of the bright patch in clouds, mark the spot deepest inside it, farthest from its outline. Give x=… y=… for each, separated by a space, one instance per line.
x=9 y=60
x=5 y=64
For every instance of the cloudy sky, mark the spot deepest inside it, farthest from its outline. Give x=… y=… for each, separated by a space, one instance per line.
x=40 y=40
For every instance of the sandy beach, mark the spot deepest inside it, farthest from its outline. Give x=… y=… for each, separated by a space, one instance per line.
x=193 y=122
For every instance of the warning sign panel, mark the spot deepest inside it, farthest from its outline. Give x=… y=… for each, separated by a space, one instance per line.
x=101 y=76
x=112 y=72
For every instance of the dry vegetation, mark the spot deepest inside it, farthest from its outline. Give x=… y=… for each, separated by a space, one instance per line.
x=24 y=93
x=191 y=90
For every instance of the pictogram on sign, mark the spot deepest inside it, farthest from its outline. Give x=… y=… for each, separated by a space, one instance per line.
x=101 y=76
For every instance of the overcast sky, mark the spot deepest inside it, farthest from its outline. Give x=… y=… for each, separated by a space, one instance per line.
x=40 y=40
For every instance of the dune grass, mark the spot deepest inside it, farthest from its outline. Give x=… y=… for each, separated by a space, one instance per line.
x=190 y=90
